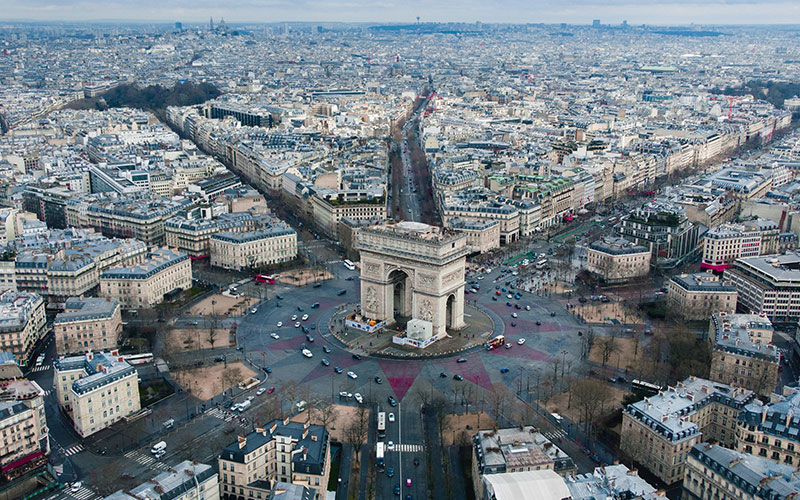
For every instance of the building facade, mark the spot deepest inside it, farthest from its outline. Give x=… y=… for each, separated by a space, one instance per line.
x=697 y=296
x=772 y=430
x=768 y=284
x=187 y=480
x=22 y=323
x=248 y=250
x=96 y=390
x=22 y=422
x=145 y=284
x=616 y=260
x=87 y=325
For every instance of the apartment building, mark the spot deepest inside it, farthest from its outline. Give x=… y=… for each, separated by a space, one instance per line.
x=328 y=213
x=617 y=260
x=287 y=452
x=659 y=431
x=513 y=450
x=743 y=354
x=192 y=235
x=88 y=324
x=23 y=426
x=723 y=244
x=22 y=323
x=743 y=184
x=187 y=480
x=480 y=205
x=697 y=296
x=96 y=390
x=772 y=430
x=768 y=284
x=247 y=250
x=482 y=235
x=145 y=284
x=664 y=229
x=714 y=471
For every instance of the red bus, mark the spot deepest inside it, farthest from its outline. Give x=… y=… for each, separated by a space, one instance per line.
x=495 y=342
x=262 y=278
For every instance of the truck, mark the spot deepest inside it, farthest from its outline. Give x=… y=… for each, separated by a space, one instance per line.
x=158 y=447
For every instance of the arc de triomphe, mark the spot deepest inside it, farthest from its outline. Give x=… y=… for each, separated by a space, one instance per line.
x=413 y=270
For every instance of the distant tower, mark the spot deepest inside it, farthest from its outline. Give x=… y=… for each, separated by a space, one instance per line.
x=178 y=26
x=222 y=26
x=417 y=19
x=596 y=23
x=211 y=24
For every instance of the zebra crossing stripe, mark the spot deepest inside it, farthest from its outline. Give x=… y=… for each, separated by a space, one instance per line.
x=73 y=450
x=83 y=494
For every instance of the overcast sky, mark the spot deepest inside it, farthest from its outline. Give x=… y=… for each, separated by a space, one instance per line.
x=516 y=11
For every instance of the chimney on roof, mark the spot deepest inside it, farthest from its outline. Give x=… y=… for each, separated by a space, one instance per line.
x=242 y=441
x=89 y=356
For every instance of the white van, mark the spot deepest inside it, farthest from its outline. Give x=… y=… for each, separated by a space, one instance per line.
x=158 y=447
x=245 y=405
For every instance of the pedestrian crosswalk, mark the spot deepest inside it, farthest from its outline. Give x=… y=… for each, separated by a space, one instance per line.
x=146 y=460
x=408 y=448
x=42 y=368
x=47 y=392
x=554 y=435
x=73 y=450
x=220 y=414
x=83 y=493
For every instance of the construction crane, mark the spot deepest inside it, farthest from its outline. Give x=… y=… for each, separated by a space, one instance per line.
x=731 y=100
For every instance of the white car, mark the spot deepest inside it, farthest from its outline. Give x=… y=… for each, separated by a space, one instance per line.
x=274 y=335
x=521 y=341
x=261 y=391
x=307 y=353
x=297 y=325
x=391 y=417
x=253 y=310
x=352 y=375
x=75 y=487
x=527 y=308
x=359 y=398
x=294 y=317
x=514 y=315
x=509 y=296
x=390 y=445
x=250 y=398
x=480 y=277
x=305 y=317
x=280 y=324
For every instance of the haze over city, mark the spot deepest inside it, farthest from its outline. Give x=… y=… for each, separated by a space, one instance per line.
x=362 y=250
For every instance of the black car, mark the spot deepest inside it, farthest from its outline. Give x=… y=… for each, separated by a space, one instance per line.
x=337 y=370
x=228 y=404
x=317 y=285
x=538 y=323
x=392 y=401
x=378 y=380
x=553 y=313
x=309 y=338
x=397 y=489
x=461 y=360
x=356 y=356
x=341 y=292
x=458 y=377
x=300 y=308
x=443 y=375
x=349 y=278
x=267 y=370
x=416 y=461
x=305 y=330
x=279 y=297
x=315 y=305
x=219 y=359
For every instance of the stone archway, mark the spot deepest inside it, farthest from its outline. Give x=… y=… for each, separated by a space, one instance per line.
x=401 y=293
x=450 y=312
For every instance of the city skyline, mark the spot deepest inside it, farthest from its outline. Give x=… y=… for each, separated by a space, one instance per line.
x=676 y=12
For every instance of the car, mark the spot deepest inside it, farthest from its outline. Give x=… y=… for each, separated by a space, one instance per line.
x=261 y=391
x=552 y=313
x=307 y=353
x=521 y=341
x=325 y=362
x=359 y=398
x=494 y=298
x=274 y=335
x=514 y=315
x=509 y=296
x=443 y=374
x=408 y=482
x=390 y=472
x=392 y=401
x=267 y=370
x=304 y=329
x=326 y=349
x=508 y=346
x=337 y=369
x=416 y=461
x=378 y=380
x=219 y=359
x=391 y=417
x=313 y=326
x=309 y=338
x=504 y=370
x=75 y=487
x=315 y=305
x=349 y=278
x=294 y=317
x=527 y=308
x=357 y=357
x=250 y=398
x=344 y=395
x=513 y=323
x=270 y=390
x=300 y=308
x=253 y=310
x=582 y=299
x=509 y=304
x=352 y=375
x=461 y=360
x=297 y=325
x=280 y=324
x=397 y=489
x=227 y=404
x=458 y=377
x=305 y=317
x=538 y=323
x=316 y=285
x=341 y=292
x=517 y=306
x=497 y=293
x=157 y=456
x=279 y=297
x=278 y=304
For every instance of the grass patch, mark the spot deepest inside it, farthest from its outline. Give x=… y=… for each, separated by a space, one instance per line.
x=656 y=310
x=336 y=464
x=149 y=393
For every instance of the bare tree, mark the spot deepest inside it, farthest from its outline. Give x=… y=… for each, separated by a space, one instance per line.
x=608 y=346
x=356 y=432
x=441 y=410
x=589 y=396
